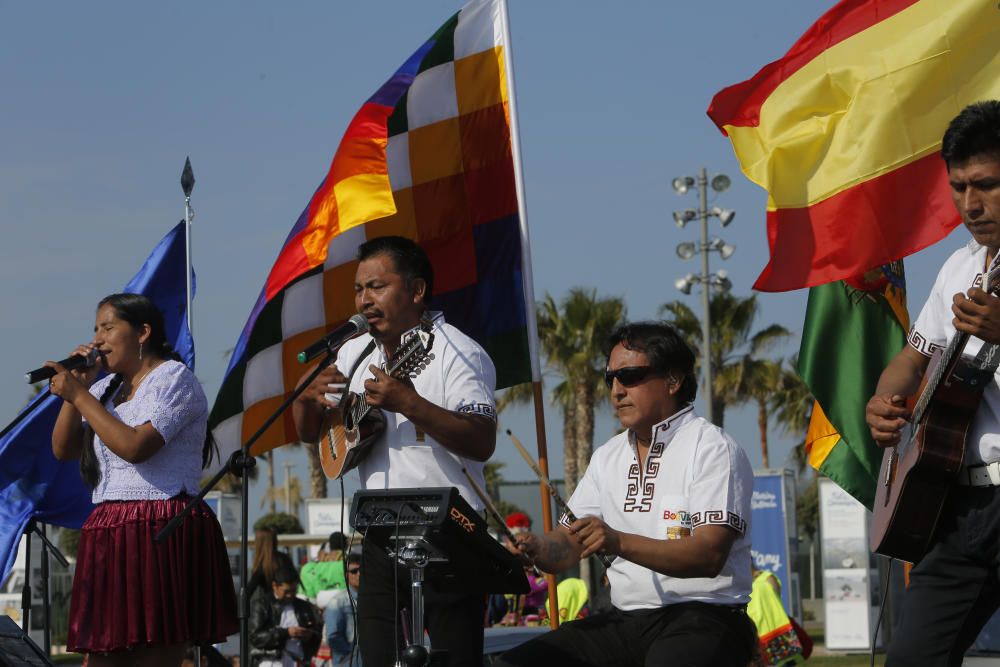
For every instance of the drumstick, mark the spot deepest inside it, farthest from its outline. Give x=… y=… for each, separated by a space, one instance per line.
x=491 y=508
x=604 y=558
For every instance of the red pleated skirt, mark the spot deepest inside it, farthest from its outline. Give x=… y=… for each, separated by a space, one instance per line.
x=129 y=591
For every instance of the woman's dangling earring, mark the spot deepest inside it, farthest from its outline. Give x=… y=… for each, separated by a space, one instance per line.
x=140 y=351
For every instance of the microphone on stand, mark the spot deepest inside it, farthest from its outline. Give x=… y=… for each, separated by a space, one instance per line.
x=69 y=363
x=358 y=324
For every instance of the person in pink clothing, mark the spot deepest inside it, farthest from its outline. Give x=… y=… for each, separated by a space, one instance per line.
x=528 y=607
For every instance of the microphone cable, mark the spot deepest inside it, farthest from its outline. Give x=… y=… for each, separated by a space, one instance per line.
x=356 y=646
x=881 y=610
x=395 y=592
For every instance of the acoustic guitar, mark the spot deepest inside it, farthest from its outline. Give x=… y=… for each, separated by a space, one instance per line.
x=916 y=475
x=349 y=431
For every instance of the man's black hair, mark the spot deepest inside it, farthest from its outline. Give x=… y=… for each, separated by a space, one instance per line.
x=338 y=541
x=408 y=258
x=664 y=348
x=353 y=558
x=286 y=575
x=974 y=131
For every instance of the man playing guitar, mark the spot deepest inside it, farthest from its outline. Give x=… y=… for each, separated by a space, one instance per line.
x=954 y=587
x=436 y=424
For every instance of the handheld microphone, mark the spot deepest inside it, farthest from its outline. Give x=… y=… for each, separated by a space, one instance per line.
x=69 y=363
x=358 y=324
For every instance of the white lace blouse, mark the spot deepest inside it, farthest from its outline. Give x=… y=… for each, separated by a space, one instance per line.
x=171 y=399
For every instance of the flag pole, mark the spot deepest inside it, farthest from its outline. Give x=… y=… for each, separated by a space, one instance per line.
x=529 y=299
x=187 y=185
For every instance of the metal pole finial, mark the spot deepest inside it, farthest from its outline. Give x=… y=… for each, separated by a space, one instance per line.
x=187 y=184
x=187 y=178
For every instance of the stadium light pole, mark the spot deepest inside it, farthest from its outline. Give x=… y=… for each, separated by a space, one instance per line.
x=687 y=250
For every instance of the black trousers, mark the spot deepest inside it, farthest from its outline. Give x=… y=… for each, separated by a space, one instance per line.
x=954 y=589
x=454 y=621
x=690 y=634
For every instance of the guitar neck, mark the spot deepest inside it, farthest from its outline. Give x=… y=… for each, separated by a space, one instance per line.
x=955 y=347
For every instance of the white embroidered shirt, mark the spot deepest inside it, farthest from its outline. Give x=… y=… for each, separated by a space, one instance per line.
x=694 y=475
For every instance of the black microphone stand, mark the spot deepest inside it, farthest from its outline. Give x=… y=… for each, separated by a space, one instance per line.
x=240 y=463
x=30 y=528
x=47 y=548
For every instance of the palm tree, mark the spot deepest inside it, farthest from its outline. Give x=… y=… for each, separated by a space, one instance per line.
x=317 y=478
x=272 y=506
x=732 y=319
x=792 y=406
x=278 y=492
x=755 y=380
x=573 y=338
x=572 y=335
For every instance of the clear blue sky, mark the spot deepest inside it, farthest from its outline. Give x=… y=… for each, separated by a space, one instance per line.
x=103 y=101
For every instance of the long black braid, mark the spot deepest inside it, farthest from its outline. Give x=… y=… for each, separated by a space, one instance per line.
x=90 y=469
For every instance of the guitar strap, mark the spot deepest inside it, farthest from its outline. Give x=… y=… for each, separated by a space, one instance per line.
x=354 y=369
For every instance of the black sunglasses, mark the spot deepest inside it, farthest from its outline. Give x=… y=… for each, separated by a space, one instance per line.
x=629 y=376
x=354 y=570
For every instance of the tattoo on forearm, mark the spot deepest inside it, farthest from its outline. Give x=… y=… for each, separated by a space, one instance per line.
x=556 y=551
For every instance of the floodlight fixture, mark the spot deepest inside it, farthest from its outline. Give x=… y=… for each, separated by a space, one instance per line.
x=682 y=184
x=721 y=281
x=686 y=250
x=724 y=249
x=725 y=215
x=685 y=216
x=684 y=284
x=720 y=182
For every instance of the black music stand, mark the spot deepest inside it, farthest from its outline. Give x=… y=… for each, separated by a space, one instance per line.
x=415 y=558
x=435 y=533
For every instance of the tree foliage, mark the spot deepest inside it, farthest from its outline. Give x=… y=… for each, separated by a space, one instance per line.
x=278 y=492
x=733 y=347
x=792 y=406
x=807 y=508
x=280 y=523
x=572 y=335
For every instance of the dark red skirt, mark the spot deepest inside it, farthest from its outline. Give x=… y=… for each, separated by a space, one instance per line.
x=129 y=591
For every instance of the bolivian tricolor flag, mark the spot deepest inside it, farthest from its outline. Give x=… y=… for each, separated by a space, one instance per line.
x=844 y=132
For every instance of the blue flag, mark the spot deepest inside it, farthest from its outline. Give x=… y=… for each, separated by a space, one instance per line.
x=33 y=483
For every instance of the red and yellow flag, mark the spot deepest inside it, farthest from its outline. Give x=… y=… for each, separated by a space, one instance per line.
x=844 y=132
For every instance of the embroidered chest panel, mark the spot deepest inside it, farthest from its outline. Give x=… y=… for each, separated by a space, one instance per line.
x=641 y=487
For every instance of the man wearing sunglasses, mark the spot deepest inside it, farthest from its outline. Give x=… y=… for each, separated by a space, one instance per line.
x=669 y=500
x=339 y=617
